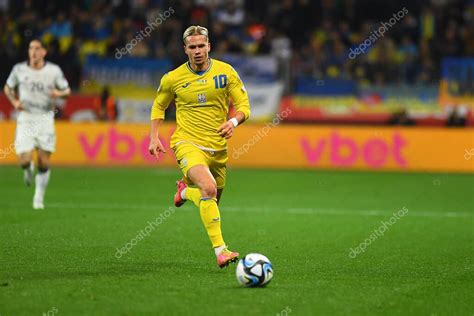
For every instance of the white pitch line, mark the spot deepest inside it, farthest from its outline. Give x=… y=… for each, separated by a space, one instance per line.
x=105 y=206
x=297 y=211
x=317 y=211
x=376 y=212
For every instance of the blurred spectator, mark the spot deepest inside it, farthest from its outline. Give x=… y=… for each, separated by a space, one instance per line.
x=60 y=28
x=232 y=15
x=401 y=118
x=457 y=117
x=314 y=35
x=106 y=108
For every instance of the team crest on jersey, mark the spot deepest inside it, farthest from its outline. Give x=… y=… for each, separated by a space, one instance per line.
x=201 y=97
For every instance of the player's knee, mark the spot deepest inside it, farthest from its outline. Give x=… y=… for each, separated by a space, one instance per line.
x=24 y=162
x=209 y=190
x=43 y=164
x=25 y=159
x=43 y=167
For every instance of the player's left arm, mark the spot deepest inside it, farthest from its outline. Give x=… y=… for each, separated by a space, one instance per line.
x=61 y=89
x=240 y=99
x=55 y=93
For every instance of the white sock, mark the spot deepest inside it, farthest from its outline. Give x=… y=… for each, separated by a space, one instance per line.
x=218 y=250
x=41 y=182
x=183 y=194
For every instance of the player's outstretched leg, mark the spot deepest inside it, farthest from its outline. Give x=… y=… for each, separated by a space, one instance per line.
x=41 y=180
x=184 y=193
x=207 y=202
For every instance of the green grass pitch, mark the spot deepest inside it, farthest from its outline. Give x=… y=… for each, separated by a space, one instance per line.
x=62 y=260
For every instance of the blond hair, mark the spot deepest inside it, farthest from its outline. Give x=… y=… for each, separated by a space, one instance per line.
x=195 y=30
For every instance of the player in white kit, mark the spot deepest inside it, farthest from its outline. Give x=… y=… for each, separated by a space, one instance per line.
x=31 y=88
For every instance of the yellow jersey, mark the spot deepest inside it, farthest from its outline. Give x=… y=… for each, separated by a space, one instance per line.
x=201 y=102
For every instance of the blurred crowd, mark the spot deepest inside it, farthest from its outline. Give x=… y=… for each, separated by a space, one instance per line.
x=314 y=37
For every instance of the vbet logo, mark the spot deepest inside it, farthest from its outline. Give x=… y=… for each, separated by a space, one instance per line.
x=119 y=146
x=333 y=148
x=345 y=151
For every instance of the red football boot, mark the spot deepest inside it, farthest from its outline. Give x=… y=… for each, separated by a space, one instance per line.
x=225 y=257
x=180 y=186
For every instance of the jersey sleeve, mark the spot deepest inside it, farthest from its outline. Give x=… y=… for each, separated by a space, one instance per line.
x=164 y=95
x=238 y=93
x=12 y=81
x=60 y=81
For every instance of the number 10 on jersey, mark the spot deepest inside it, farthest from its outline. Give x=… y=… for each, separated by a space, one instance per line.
x=220 y=81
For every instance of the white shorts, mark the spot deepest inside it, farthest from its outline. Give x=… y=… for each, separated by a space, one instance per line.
x=34 y=133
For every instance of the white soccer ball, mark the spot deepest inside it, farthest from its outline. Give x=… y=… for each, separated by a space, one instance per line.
x=254 y=270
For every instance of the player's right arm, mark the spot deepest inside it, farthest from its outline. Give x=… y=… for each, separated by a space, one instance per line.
x=12 y=97
x=9 y=90
x=155 y=146
x=164 y=95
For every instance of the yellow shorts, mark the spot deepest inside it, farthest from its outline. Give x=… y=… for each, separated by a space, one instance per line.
x=188 y=156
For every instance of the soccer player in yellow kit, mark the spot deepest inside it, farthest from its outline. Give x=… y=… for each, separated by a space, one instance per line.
x=201 y=89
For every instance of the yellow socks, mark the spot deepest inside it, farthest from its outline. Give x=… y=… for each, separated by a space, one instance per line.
x=211 y=219
x=209 y=214
x=193 y=195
